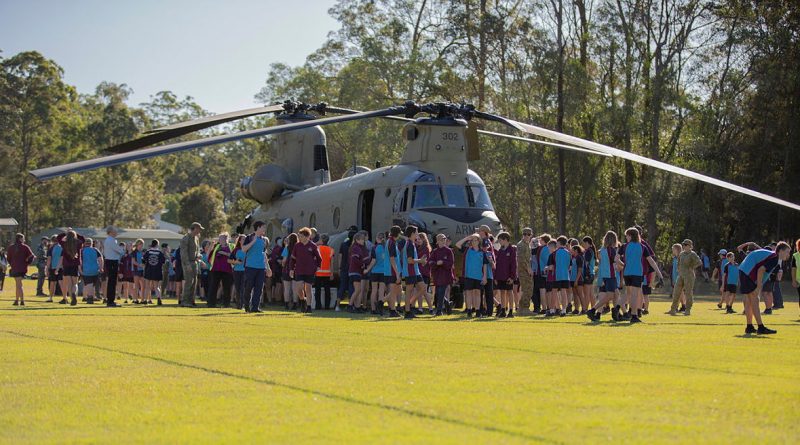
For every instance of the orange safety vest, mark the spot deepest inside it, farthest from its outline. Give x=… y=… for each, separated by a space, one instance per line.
x=326 y=252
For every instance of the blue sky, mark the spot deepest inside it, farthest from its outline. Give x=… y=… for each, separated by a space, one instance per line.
x=218 y=52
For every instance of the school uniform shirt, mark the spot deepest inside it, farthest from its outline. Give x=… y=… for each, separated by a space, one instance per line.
x=287 y=268
x=153 y=260
x=674 y=269
x=424 y=269
x=254 y=257
x=506 y=267
x=731 y=274
x=492 y=259
x=391 y=248
x=138 y=257
x=606 y=268
x=755 y=260
x=579 y=267
x=551 y=263
x=410 y=269
x=474 y=260
x=239 y=255
x=573 y=268
x=535 y=261
x=55 y=255
x=359 y=258
x=306 y=258
x=68 y=260
x=722 y=265
x=562 y=261
x=275 y=256
x=442 y=275
x=344 y=251
x=544 y=259
x=635 y=254
x=126 y=266
x=19 y=255
x=381 y=256
x=89 y=257
x=646 y=267
x=589 y=262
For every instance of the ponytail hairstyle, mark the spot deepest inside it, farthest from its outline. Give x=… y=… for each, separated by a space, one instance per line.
x=292 y=240
x=72 y=244
x=610 y=239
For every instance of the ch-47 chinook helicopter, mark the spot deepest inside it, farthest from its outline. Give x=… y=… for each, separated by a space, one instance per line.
x=431 y=187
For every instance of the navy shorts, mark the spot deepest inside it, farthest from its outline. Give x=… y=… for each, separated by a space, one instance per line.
x=730 y=288
x=91 y=279
x=70 y=271
x=427 y=280
x=53 y=276
x=588 y=280
x=472 y=284
x=16 y=274
x=561 y=284
x=502 y=285
x=413 y=279
x=540 y=282
x=139 y=273
x=609 y=284
x=309 y=279
x=549 y=285
x=647 y=290
x=634 y=280
x=746 y=285
x=376 y=277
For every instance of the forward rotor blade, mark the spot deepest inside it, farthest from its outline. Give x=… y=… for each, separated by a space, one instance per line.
x=561 y=137
x=173 y=131
x=117 y=159
x=547 y=143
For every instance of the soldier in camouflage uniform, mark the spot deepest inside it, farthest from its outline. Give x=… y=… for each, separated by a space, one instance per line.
x=525 y=286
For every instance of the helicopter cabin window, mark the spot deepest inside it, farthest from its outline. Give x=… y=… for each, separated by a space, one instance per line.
x=336 y=217
x=312 y=220
x=404 y=201
x=427 y=196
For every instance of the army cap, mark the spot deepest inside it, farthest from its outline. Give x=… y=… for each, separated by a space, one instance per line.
x=196 y=225
x=687 y=242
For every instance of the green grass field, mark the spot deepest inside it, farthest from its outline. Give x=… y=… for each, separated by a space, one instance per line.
x=167 y=375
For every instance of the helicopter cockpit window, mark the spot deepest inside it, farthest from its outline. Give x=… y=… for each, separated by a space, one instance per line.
x=480 y=197
x=427 y=196
x=456 y=196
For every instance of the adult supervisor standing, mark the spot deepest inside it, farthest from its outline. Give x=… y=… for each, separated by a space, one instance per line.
x=526 y=274
x=688 y=262
x=112 y=252
x=190 y=255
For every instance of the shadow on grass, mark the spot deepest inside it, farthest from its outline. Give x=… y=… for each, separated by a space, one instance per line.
x=300 y=389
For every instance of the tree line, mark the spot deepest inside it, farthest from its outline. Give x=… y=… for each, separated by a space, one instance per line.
x=707 y=85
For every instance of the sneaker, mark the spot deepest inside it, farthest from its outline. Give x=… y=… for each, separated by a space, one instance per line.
x=672 y=312
x=74 y=301
x=688 y=312
x=730 y=311
x=615 y=313
x=90 y=300
x=63 y=301
x=575 y=312
x=768 y=311
x=112 y=305
x=159 y=302
x=645 y=312
x=625 y=316
x=590 y=314
x=392 y=313
x=409 y=315
x=750 y=329
x=469 y=313
x=765 y=330
x=22 y=303
x=719 y=305
x=635 y=319
x=569 y=307
x=258 y=311
x=563 y=314
x=49 y=300
x=682 y=308
x=16 y=303
x=510 y=313
x=501 y=313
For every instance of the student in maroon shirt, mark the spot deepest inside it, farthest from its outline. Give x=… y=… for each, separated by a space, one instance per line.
x=19 y=256
x=71 y=244
x=441 y=261
x=305 y=262
x=358 y=258
x=423 y=251
x=505 y=273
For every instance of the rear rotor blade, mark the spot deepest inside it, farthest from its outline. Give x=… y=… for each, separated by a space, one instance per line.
x=589 y=145
x=117 y=159
x=173 y=131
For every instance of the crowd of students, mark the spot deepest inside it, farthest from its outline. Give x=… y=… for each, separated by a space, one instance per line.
x=399 y=272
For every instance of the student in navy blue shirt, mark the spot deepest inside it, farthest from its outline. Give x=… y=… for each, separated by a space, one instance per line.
x=91 y=267
x=753 y=273
x=475 y=276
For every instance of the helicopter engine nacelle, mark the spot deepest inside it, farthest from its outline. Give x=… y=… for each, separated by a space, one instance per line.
x=266 y=184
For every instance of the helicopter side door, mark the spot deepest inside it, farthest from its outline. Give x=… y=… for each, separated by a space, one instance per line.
x=365 y=203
